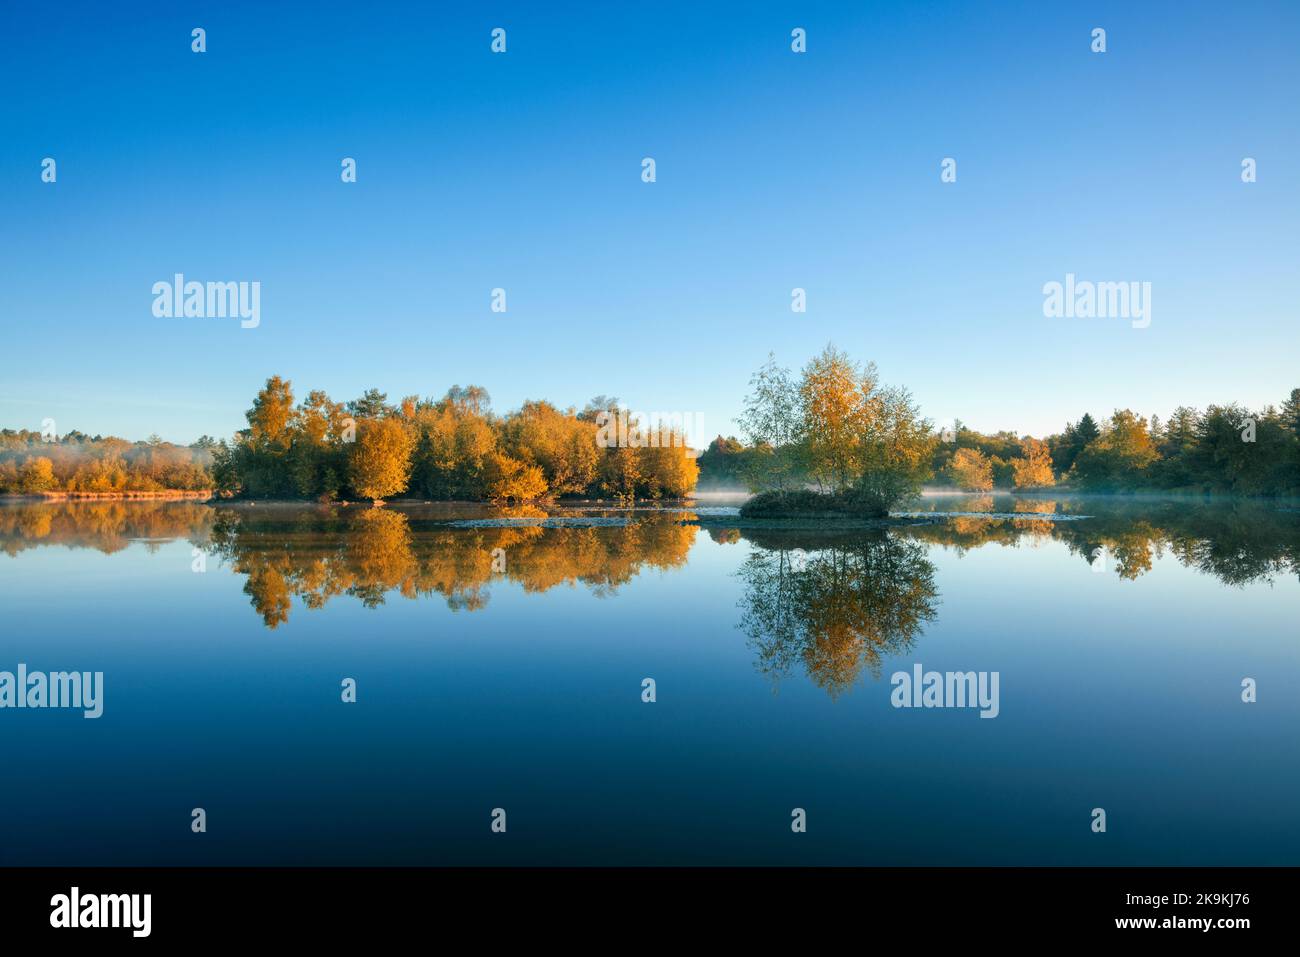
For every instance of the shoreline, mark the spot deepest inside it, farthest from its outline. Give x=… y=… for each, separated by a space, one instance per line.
x=165 y=494
x=1286 y=503
x=812 y=523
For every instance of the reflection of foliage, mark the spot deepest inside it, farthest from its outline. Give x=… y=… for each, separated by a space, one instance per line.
x=318 y=553
x=838 y=608
x=106 y=525
x=1237 y=542
x=380 y=551
x=1030 y=506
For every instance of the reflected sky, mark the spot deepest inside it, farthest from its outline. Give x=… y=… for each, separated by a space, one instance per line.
x=500 y=665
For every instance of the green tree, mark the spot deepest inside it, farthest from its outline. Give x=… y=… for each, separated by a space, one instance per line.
x=771 y=423
x=1176 y=447
x=896 y=446
x=598 y=404
x=1085 y=432
x=1120 y=456
x=724 y=463
x=371 y=405
x=1290 y=414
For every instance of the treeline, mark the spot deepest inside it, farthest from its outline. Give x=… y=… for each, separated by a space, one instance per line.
x=833 y=428
x=1225 y=449
x=447 y=449
x=32 y=464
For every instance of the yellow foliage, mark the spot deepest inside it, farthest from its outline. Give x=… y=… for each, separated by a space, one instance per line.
x=970 y=470
x=1035 y=469
x=380 y=459
x=508 y=479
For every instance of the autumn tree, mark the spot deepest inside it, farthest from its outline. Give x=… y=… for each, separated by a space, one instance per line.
x=620 y=472
x=270 y=417
x=37 y=475
x=970 y=470
x=558 y=443
x=832 y=395
x=260 y=457
x=667 y=470
x=318 y=456
x=456 y=439
x=1034 y=468
x=380 y=460
x=510 y=480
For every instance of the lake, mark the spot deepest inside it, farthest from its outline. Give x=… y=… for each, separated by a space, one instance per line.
x=499 y=657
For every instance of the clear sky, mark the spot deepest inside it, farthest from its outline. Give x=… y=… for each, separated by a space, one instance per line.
x=523 y=171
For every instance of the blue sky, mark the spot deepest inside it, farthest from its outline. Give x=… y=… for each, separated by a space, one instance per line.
x=522 y=171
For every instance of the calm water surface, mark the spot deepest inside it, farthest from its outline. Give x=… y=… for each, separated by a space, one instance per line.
x=499 y=659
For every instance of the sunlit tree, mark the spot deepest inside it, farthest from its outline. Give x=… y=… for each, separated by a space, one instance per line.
x=1034 y=468
x=970 y=470
x=380 y=459
x=833 y=393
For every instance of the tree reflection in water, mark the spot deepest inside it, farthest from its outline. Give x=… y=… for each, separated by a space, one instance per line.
x=107 y=526
x=372 y=553
x=836 y=607
x=853 y=597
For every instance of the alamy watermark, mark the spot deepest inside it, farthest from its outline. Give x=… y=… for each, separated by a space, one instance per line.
x=56 y=689
x=75 y=909
x=1085 y=299
x=212 y=300
x=946 y=689
x=621 y=429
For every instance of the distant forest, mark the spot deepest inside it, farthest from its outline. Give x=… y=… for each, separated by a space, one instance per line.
x=1225 y=449
x=30 y=464
x=832 y=427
